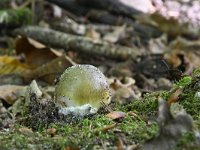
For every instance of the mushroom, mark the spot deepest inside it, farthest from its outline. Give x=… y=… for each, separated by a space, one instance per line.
x=82 y=89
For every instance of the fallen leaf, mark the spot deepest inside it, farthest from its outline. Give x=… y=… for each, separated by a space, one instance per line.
x=51 y=131
x=120 y=144
x=10 y=93
x=114 y=36
x=123 y=90
x=49 y=71
x=93 y=34
x=173 y=59
x=107 y=127
x=131 y=113
x=116 y=115
x=69 y=148
x=11 y=65
x=174 y=97
x=36 y=54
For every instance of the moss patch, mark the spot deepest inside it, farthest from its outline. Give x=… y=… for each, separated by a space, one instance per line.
x=86 y=134
x=99 y=132
x=190 y=100
x=187 y=142
x=18 y=140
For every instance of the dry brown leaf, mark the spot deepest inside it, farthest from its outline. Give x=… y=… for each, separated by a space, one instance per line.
x=120 y=144
x=187 y=60
x=50 y=70
x=51 y=131
x=69 y=148
x=123 y=93
x=107 y=127
x=11 y=65
x=173 y=59
x=190 y=49
x=116 y=115
x=174 y=97
x=91 y=33
x=122 y=90
x=117 y=83
x=10 y=93
x=131 y=113
x=35 y=53
x=118 y=33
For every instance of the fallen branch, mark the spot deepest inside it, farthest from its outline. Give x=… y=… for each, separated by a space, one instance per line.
x=81 y=7
x=72 y=27
x=78 y=43
x=108 y=12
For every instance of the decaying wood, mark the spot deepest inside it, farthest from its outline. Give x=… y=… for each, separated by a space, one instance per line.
x=77 y=43
x=72 y=27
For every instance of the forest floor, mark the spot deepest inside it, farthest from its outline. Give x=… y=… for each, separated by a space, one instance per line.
x=149 y=55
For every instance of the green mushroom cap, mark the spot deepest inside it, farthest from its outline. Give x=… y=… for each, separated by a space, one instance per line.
x=80 y=85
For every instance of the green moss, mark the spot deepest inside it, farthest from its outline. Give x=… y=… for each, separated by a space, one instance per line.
x=86 y=134
x=191 y=104
x=190 y=100
x=196 y=72
x=39 y=115
x=18 y=140
x=89 y=133
x=15 y=16
x=183 y=82
x=147 y=106
x=187 y=141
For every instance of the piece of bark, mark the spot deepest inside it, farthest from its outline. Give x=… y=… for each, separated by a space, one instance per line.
x=77 y=43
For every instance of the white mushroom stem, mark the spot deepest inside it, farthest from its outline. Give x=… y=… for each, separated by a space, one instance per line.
x=83 y=110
